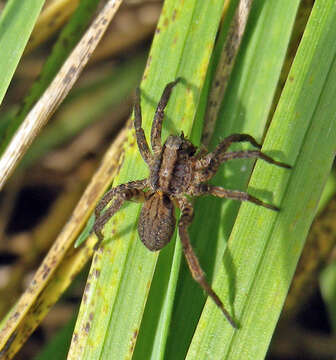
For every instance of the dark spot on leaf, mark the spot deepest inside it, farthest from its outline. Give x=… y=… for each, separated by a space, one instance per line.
x=75 y=337
x=46 y=270
x=87 y=327
x=71 y=72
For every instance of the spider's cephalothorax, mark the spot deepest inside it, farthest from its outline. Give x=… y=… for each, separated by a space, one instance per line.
x=176 y=170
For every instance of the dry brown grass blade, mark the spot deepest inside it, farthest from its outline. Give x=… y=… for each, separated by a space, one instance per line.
x=62 y=262
x=56 y=92
x=224 y=68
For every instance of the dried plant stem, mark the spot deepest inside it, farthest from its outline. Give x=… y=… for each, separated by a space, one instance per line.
x=56 y=92
x=224 y=68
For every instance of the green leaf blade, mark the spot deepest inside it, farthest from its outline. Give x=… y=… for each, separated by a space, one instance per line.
x=245 y=109
x=264 y=246
x=113 y=305
x=16 y=24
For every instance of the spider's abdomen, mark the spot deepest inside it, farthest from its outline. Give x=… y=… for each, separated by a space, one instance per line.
x=157 y=221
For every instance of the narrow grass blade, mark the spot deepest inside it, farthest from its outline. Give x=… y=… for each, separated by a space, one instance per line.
x=224 y=66
x=16 y=24
x=265 y=246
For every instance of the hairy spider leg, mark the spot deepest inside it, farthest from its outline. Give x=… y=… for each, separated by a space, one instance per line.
x=123 y=192
x=103 y=219
x=156 y=141
x=218 y=191
x=139 y=133
x=212 y=160
x=210 y=163
x=253 y=154
x=192 y=260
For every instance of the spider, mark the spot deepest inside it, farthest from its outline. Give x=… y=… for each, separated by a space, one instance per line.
x=176 y=170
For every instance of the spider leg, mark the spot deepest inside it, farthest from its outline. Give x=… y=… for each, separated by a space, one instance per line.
x=192 y=260
x=201 y=152
x=207 y=166
x=211 y=162
x=123 y=192
x=103 y=219
x=158 y=117
x=253 y=154
x=228 y=141
x=139 y=133
x=232 y=194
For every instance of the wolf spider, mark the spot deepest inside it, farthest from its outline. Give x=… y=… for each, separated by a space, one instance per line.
x=176 y=170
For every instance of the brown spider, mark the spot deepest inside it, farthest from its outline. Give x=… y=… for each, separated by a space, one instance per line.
x=176 y=170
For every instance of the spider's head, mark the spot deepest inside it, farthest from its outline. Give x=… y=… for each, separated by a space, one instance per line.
x=180 y=145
